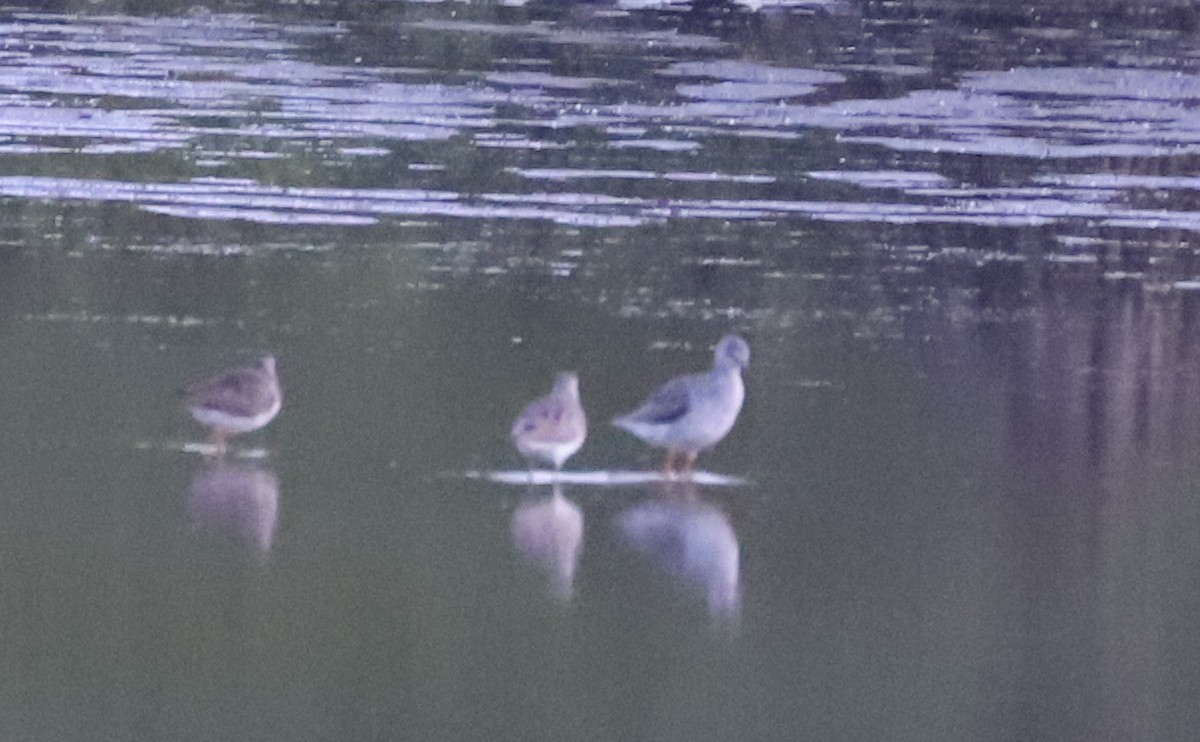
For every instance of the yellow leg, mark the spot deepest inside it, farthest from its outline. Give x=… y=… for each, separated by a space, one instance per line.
x=668 y=469
x=689 y=464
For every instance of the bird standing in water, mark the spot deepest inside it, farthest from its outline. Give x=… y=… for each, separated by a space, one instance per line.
x=691 y=413
x=235 y=401
x=554 y=427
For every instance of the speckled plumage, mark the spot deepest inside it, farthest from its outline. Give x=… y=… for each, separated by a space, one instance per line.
x=554 y=427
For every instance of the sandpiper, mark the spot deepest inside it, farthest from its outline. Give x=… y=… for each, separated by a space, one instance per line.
x=236 y=400
x=691 y=413
x=554 y=427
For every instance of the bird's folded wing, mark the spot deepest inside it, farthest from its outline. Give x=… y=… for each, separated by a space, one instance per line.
x=665 y=406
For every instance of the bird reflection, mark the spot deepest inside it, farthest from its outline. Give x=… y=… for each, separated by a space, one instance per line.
x=691 y=540
x=240 y=501
x=548 y=531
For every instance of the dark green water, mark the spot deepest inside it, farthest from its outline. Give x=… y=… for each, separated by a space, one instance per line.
x=960 y=241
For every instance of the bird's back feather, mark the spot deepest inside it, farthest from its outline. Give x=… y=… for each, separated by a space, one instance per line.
x=666 y=405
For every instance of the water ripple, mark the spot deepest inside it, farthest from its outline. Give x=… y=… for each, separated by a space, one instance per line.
x=265 y=204
x=609 y=142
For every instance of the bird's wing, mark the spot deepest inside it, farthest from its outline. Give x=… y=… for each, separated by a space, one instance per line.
x=537 y=414
x=239 y=391
x=550 y=417
x=666 y=405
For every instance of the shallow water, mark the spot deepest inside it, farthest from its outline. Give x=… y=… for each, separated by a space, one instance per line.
x=960 y=239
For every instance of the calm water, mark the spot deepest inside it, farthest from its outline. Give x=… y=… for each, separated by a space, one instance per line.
x=960 y=238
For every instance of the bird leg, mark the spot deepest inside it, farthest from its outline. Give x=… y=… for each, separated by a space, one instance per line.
x=689 y=463
x=667 y=468
x=218 y=442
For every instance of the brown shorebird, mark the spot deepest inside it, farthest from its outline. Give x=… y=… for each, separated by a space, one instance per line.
x=554 y=427
x=236 y=400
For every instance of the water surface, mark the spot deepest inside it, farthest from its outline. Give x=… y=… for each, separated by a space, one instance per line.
x=960 y=239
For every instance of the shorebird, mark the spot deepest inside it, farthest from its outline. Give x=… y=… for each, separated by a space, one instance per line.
x=236 y=400
x=691 y=413
x=554 y=427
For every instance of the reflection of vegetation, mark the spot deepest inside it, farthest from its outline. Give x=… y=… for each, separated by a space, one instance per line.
x=177 y=7
x=1175 y=15
x=149 y=7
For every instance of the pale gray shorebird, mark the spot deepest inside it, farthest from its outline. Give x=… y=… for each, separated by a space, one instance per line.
x=554 y=427
x=691 y=413
x=235 y=401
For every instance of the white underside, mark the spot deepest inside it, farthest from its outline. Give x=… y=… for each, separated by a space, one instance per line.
x=552 y=452
x=235 y=424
